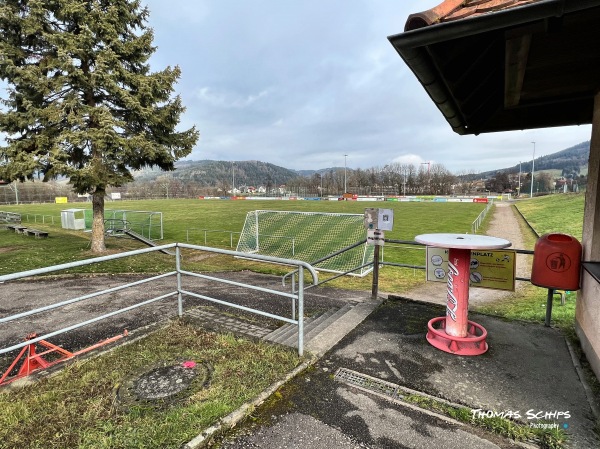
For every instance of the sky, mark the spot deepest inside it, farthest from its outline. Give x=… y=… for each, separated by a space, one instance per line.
x=315 y=84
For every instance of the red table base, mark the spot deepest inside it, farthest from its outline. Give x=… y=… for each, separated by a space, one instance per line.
x=473 y=344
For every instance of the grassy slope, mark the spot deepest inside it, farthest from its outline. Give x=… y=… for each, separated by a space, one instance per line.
x=556 y=214
x=77 y=407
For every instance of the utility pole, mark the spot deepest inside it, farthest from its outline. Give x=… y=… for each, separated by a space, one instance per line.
x=532 y=170
x=519 y=178
x=232 y=178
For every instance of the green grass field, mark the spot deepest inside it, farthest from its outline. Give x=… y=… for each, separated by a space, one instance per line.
x=183 y=219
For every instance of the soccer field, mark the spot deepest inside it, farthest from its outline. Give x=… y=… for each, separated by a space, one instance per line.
x=217 y=223
x=410 y=218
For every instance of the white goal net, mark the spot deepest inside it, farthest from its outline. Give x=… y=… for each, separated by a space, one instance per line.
x=308 y=236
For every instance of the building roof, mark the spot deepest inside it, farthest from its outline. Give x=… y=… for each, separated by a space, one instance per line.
x=503 y=65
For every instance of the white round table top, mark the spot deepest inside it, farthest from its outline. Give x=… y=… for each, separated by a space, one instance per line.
x=462 y=241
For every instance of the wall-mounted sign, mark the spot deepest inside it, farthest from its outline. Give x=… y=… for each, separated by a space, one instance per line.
x=376 y=218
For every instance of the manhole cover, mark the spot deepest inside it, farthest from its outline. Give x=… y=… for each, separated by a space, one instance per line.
x=164 y=383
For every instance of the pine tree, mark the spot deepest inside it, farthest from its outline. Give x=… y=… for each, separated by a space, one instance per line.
x=81 y=100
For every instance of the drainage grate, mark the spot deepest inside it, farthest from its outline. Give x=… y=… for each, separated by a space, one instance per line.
x=368 y=383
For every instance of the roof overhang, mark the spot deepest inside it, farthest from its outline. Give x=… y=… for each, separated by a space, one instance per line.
x=531 y=66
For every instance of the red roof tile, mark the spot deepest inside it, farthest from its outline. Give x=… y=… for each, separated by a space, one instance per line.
x=451 y=10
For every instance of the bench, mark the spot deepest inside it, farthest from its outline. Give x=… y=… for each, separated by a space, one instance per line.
x=17 y=228
x=36 y=232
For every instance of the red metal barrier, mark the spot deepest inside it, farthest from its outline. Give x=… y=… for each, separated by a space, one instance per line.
x=33 y=360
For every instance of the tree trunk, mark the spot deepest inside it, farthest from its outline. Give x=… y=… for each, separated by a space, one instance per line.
x=98 y=221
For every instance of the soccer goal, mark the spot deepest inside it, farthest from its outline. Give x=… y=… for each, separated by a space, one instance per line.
x=146 y=223
x=308 y=236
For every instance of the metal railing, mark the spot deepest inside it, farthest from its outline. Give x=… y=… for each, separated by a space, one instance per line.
x=177 y=291
x=323 y=259
x=479 y=220
x=424 y=267
x=42 y=218
x=206 y=231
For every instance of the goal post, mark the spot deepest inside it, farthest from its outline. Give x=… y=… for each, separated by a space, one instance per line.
x=308 y=236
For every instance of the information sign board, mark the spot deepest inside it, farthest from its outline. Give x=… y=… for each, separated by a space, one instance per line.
x=494 y=269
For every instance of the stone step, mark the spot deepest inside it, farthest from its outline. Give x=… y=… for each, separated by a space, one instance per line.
x=311 y=330
x=288 y=330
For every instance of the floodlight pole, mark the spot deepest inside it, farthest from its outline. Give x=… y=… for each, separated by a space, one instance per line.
x=345 y=159
x=532 y=170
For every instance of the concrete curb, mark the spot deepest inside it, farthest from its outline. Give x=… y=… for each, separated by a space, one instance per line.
x=329 y=337
x=235 y=417
x=586 y=388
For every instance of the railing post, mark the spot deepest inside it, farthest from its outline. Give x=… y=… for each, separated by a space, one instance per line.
x=375 y=286
x=549 y=307
x=300 y=311
x=178 y=269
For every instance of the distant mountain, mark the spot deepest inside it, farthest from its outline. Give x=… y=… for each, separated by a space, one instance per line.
x=572 y=160
x=321 y=171
x=208 y=173
x=211 y=173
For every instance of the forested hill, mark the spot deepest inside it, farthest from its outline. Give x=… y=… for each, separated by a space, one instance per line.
x=207 y=173
x=214 y=173
x=571 y=160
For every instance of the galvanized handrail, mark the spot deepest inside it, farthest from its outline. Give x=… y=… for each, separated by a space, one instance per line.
x=329 y=256
x=479 y=220
x=179 y=292
x=424 y=267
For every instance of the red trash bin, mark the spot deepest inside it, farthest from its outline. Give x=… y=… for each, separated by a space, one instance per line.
x=557 y=262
